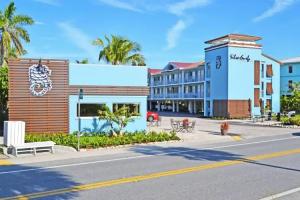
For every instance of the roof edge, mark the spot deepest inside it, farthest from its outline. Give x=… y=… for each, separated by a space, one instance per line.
x=271 y=58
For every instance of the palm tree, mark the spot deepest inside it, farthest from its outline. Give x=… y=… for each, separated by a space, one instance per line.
x=12 y=32
x=120 y=51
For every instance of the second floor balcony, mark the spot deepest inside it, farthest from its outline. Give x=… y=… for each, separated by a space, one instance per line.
x=155 y=83
x=190 y=79
x=172 y=95
x=193 y=95
x=172 y=81
x=157 y=96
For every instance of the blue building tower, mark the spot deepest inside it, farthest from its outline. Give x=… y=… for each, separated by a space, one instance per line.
x=240 y=81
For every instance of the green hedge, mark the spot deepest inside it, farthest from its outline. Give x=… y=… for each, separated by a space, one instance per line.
x=101 y=140
x=291 y=121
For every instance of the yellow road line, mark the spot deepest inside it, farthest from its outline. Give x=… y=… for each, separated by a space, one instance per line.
x=109 y=183
x=236 y=138
x=22 y=198
x=5 y=163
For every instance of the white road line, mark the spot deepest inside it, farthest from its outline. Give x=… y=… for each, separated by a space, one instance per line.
x=143 y=156
x=282 y=194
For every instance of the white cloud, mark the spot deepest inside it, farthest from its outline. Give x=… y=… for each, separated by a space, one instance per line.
x=49 y=2
x=180 y=7
x=278 y=6
x=121 y=4
x=174 y=34
x=79 y=39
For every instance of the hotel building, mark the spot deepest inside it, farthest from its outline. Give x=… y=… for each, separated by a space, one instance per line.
x=290 y=73
x=236 y=80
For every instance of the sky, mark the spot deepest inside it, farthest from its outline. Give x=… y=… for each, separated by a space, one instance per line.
x=167 y=30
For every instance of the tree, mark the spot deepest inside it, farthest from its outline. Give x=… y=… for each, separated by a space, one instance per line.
x=291 y=102
x=121 y=117
x=12 y=33
x=120 y=51
x=84 y=61
x=3 y=94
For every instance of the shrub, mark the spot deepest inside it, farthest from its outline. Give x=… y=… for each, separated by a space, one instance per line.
x=291 y=121
x=102 y=140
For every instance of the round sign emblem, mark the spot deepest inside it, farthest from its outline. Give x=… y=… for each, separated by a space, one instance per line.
x=39 y=79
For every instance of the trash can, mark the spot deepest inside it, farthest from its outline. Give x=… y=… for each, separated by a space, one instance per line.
x=278 y=116
x=14 y=133
x=269 y=116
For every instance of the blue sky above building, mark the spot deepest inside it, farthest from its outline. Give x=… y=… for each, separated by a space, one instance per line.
x=168 y=30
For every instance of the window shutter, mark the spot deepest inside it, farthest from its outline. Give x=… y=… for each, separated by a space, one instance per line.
x=269 y=89
x=256 y=73
x=269 y=71
x=256 y=97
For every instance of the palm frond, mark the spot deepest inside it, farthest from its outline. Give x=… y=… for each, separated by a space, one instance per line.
x=23 y=34
x=9 y=11
x=98 y=42
x=120 y=50
x=22 y=20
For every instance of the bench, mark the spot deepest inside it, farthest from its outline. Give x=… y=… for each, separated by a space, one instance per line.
x=33 y=147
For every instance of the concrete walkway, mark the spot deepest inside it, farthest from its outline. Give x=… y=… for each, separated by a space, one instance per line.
x=210 y=129
x=206 y=132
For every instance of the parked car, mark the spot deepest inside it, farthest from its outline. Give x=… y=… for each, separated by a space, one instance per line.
x=152 y=116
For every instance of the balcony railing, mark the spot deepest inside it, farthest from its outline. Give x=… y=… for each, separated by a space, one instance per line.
x=172 y=81
x=190 y=79
x=193 y=95
x=157 y=83
x=157 y=96
x=176 y=95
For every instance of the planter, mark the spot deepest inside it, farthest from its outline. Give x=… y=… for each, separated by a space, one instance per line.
x=224 y=132
x=224 y=128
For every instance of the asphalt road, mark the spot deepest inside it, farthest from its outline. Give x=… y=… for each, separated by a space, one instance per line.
x=249 y=169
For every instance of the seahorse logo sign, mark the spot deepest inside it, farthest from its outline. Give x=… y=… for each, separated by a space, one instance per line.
x=39 y=78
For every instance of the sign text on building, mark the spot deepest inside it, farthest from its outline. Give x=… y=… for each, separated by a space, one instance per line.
x=241 y=57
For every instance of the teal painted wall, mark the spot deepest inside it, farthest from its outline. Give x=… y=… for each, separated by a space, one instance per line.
x=107 y=75
x=286 y=76
x=235 y=78
x=275 y=97
x=93 y=124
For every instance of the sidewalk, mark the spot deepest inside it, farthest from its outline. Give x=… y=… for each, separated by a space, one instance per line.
x=63 y=153
x=206 y=133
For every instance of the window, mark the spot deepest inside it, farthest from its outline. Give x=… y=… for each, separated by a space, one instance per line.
x=208 y=70
x=207 y=89
x=190 y=89
x=290 y=84
x=262 y=89
x=269 y=104
x=134 y=109
x=89 y=109
x=262 y=70
x=290 y=69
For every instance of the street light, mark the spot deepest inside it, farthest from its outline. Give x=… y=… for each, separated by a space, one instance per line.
x=80 y=97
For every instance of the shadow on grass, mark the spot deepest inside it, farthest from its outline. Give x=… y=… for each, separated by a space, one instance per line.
x=203 y=155
x=20 y=180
